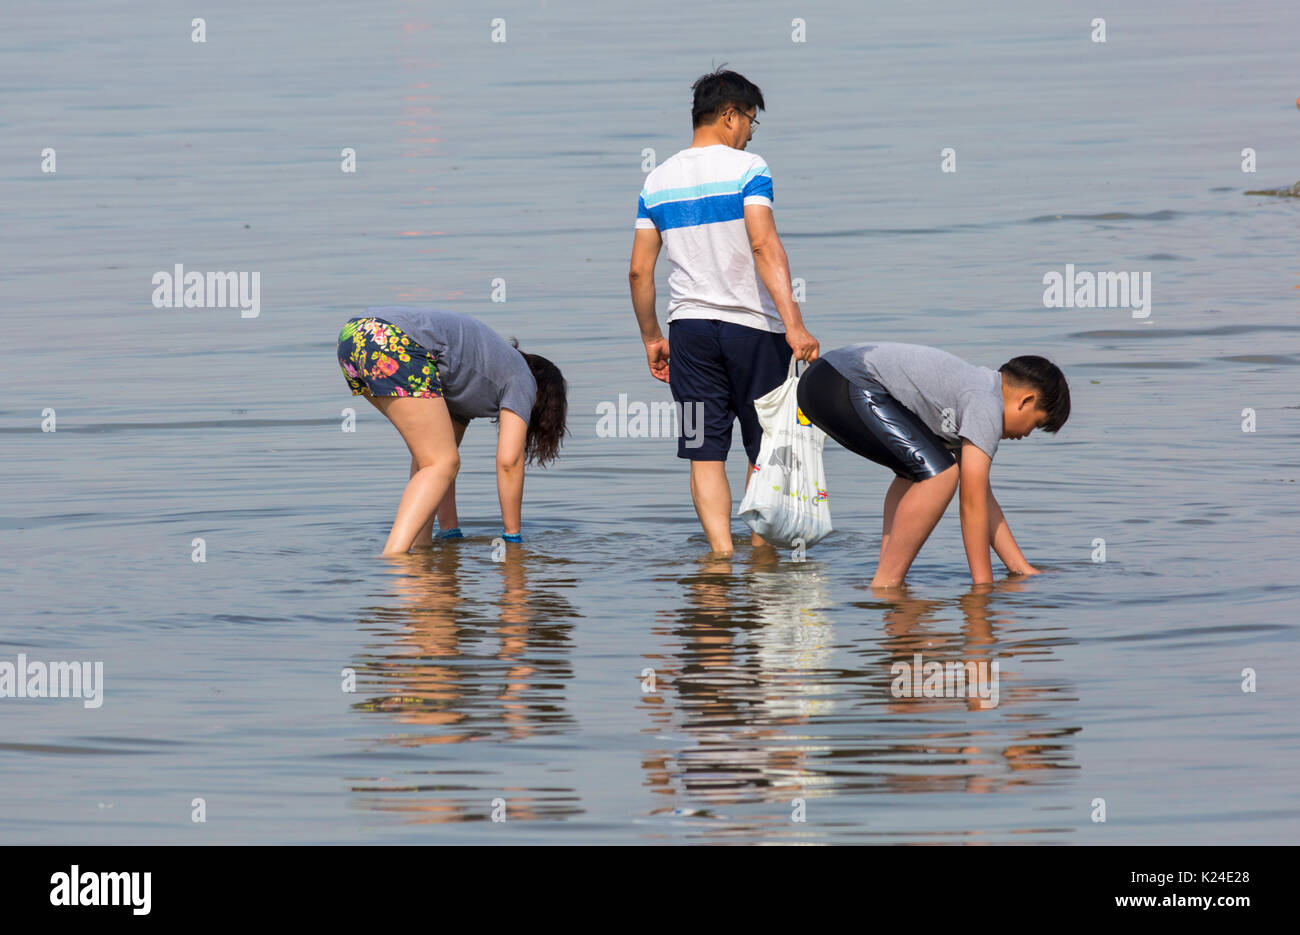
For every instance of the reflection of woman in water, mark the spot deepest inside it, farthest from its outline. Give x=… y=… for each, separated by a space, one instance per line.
x=430 y=372
x=446 y=664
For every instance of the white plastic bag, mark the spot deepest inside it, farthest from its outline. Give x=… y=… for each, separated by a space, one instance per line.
x=786 y=499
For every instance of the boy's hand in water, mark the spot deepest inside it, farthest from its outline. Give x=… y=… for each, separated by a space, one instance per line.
x=656 y=353
x=803 y=344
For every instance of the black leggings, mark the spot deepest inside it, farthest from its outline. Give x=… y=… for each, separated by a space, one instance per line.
x=869 y=422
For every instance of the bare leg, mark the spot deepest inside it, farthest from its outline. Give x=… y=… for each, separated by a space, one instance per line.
x=446 y=514
x=424 y=538
x=711 y=495
x=892 y=498
x=918 y=511
x=425 y=425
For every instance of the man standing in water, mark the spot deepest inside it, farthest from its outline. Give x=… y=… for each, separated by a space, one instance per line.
x=732 y=320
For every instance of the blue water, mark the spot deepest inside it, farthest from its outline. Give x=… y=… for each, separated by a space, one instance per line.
x=518 y=687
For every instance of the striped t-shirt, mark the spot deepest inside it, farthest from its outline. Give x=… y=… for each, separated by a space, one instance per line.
x=697 y=201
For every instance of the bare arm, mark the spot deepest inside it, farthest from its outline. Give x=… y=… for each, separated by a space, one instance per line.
x=1004 y=543
x=975 y=497
x=773 y=268
x=512 y=432
x=641 y=276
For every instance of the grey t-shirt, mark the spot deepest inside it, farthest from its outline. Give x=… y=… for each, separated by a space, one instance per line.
x=481 y=372
x=928 y=381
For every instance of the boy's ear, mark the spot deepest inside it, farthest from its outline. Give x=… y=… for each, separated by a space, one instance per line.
x=1028 y=400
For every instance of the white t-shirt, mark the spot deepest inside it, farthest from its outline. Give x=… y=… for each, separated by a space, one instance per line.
x=696 y=199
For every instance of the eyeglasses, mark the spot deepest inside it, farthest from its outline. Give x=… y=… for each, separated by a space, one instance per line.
x=752 y=121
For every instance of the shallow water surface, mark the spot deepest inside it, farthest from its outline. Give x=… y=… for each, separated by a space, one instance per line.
x=605 y=683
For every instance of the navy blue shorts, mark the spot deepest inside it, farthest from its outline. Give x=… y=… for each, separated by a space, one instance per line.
x=869 y=422
x=717 y=369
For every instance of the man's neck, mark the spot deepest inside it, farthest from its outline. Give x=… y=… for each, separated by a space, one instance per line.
x=701 y=140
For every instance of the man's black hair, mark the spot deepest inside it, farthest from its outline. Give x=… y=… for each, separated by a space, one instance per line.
x=718 y=90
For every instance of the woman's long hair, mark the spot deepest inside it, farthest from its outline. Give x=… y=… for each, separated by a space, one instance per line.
x=547 y=425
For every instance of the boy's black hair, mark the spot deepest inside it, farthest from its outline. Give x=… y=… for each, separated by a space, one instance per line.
x=1046 y=379
x=718 y=90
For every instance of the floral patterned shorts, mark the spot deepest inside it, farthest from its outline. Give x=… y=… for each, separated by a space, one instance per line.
x=380 y=359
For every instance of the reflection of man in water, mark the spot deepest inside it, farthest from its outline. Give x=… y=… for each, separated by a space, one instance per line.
x=741 y=687
x=750 y=696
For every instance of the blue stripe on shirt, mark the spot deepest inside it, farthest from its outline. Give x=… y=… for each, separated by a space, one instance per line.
x=707 y=203
x=759 y=185
x=708 y=189
x=698 y=211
